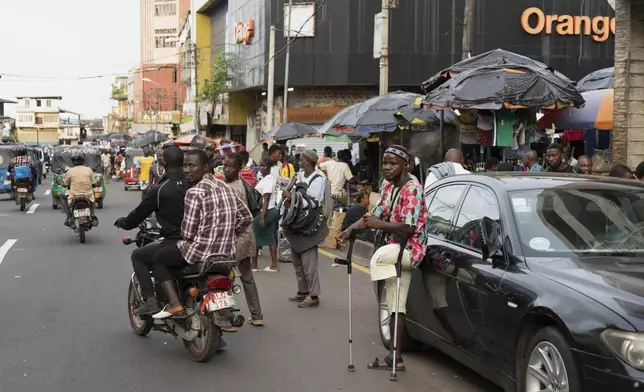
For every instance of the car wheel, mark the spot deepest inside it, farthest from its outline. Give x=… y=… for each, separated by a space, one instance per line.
x=409 y=344
x=548 y=364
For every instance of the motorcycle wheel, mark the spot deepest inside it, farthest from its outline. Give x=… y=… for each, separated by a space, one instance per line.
x=209 y=336
x=81 y=232
x=22 y=204
x=140 y=325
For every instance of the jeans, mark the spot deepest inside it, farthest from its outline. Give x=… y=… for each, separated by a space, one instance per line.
x=163 y=258
x=250 y=289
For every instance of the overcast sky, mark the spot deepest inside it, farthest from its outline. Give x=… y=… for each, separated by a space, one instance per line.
x=52 y=43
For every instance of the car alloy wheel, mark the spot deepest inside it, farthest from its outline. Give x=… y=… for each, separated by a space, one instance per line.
x=546 y=370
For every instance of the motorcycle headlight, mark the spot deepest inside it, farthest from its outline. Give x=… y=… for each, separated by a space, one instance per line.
x=628 y=346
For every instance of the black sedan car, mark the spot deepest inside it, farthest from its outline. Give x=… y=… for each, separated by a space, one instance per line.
x=535 y=281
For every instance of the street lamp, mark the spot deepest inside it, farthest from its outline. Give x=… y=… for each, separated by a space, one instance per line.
x=155 y=112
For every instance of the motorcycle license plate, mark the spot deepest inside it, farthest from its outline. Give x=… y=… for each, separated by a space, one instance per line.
x=98 y=189
x=23 y=190
x=83 y=212
x=218 y=301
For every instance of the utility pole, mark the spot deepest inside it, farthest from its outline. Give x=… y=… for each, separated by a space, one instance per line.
x=468 y=28
x=387 y=5
x=288 y=59
x=271 y=79
x=195 y=64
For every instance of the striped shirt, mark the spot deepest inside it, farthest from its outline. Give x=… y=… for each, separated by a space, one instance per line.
x=213 y=217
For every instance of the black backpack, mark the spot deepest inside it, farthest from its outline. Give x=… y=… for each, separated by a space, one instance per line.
x=254 y=198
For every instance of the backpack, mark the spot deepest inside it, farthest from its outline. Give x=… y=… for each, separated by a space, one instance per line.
x=21 y=172
x=327 y=203
x=254 y=198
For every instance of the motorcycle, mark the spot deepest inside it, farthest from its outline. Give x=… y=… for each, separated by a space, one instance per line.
x=82 y=213
x=23 y=186
x=206 y=291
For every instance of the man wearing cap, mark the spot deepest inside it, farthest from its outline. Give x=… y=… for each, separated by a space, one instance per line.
x=213 y=160
x=400 y=210
x=305 y=247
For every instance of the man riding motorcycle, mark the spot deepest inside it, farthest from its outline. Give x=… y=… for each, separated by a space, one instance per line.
x=21 y=158
x=166 y=200
x=79 y=181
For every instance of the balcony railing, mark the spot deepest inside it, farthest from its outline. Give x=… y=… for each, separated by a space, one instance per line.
x=118 y=94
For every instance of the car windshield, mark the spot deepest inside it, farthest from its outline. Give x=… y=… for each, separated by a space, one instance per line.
x=580 y=220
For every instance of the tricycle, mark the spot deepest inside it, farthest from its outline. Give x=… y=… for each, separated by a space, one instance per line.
x=61 y=162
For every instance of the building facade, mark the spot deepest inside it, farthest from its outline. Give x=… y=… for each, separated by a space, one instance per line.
x=118 y=119
x=38 y=120
x=160 y=24
x=332 y=61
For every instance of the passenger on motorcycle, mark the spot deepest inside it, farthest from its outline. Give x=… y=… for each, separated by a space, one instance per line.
x=166 y=200
x=79 y=181
x=21 y=158
x=214 y=216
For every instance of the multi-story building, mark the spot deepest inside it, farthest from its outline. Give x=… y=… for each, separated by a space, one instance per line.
x=7 y=124
x=38 y=120
x=117 y=120
x=333 y=64
x=156 y=93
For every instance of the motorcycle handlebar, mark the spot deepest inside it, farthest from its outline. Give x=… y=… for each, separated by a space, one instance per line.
x=127 y=241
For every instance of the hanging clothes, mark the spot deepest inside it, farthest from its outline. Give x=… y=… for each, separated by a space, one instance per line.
x=505 y=121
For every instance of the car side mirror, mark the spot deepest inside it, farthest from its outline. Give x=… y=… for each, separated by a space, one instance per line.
x=492 y=237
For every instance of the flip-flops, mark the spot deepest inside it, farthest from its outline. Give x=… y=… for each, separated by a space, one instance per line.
x=386 y=364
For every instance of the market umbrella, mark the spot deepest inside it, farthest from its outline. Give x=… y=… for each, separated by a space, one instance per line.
x=493 y=57
x=510 y=86
x=417 y=114
x=599 y=80
x=290 y=130
x=375 y=114
x=327 y=127
x=156 y=136
x=597 y=113
x=196 y=141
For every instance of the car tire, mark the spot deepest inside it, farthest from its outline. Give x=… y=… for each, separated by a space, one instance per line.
x=409 y=344
x=549 y=343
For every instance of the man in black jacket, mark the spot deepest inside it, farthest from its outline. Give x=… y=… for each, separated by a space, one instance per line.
x=166 y=200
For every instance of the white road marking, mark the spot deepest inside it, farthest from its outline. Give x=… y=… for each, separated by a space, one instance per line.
x=4 y=249
x=32 y=209
x=47 y=192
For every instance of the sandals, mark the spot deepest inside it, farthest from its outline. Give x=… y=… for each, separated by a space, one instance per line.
x=270 y=269
x=386 y=364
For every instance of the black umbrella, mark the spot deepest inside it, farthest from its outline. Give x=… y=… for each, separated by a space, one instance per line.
x=599 y=80
x=512 y=86
x=493 y=57
x=290 y=130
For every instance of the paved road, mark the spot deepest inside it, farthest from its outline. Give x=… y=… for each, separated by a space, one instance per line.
x=64 y=325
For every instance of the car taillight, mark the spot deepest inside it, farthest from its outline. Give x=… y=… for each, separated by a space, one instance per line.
x=218 y=283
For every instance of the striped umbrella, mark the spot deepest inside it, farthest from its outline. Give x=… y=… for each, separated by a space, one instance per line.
x=596 y=114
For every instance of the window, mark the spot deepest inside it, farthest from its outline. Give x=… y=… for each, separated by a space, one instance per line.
x=39 y=120
x=478 y=203
x=165 y=42
x=165 y=9
x=442 y=210
x=38 y=102
x=27 y=103
x=49 y=103
x=165 y=31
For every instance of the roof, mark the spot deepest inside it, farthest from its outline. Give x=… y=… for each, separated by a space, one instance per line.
x=43 y=97
x=518 y=181
x=7 y=101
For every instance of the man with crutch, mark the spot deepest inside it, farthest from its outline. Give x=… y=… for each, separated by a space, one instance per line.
x=399 y=215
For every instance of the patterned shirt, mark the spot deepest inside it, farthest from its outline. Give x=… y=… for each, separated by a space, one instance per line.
x=22 y=160
x=408 y=208
x=213 y=217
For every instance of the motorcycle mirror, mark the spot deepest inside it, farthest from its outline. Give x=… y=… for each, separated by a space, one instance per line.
x=126 y=240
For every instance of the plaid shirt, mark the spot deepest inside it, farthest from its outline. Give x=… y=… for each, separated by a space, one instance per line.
x=213 y=217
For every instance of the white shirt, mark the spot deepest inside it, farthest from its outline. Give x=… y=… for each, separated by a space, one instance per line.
x=316 y=188
x=339 y=173
x=431 y=179
x=105 y=159
x=267 y=185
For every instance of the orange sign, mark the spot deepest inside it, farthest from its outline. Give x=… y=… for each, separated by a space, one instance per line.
x=244 y=32
x=535 y=21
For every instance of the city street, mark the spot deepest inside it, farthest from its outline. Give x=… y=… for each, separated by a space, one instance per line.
x=65 y=325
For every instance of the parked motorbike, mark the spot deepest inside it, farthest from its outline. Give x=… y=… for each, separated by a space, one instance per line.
x=206 y=291
x=82 y=213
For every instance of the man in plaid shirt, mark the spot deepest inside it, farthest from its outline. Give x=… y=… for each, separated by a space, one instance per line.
x=213 y=217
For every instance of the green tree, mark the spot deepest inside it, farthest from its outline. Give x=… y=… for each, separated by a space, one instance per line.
x=216 y=87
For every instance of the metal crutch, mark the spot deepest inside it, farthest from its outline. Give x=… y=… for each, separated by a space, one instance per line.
x=347 y=262
x=402 y=239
